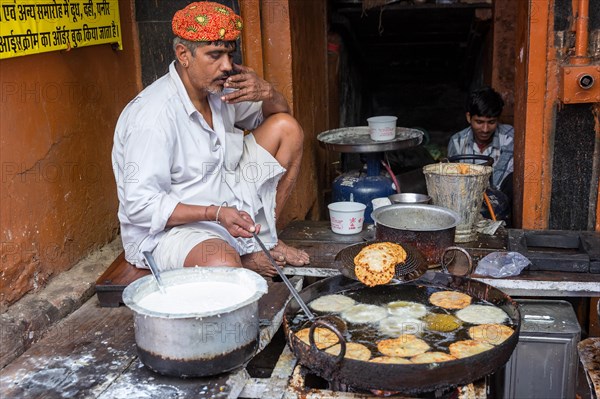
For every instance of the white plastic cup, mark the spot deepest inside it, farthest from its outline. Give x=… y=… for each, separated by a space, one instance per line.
x=382 y=128
x=347 y=217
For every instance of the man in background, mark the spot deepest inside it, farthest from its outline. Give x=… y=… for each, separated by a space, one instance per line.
x=485 y=136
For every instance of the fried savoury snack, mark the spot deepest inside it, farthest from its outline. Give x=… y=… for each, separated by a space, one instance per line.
x=376 y=264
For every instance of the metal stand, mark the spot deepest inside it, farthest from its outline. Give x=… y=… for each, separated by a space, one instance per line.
x=354 y=185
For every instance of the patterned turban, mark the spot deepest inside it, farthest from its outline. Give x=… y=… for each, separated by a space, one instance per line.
x=205 y=21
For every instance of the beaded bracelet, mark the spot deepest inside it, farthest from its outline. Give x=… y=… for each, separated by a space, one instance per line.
x=219 y=210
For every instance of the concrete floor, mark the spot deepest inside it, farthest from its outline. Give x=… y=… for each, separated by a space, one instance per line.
x=28 y=320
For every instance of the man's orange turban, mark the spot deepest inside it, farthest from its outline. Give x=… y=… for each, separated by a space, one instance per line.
x=206 y=21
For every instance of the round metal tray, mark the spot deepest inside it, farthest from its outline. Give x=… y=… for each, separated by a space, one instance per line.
x=357 y=139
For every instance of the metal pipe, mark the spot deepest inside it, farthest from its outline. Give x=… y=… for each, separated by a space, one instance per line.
x=581 y=34
x=594 y=208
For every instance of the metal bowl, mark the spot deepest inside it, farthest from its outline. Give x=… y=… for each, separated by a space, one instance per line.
x=429 y=228
x=410 y=198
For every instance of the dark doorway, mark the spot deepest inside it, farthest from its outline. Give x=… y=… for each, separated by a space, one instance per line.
x=415 y=59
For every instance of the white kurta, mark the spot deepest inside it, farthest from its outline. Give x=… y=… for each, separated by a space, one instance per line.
x=165 y=153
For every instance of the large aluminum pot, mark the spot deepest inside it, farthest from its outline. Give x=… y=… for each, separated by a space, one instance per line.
x=196 y=344
x=430 y=228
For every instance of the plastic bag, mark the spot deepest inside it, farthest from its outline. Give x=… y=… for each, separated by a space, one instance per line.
x=502 y=264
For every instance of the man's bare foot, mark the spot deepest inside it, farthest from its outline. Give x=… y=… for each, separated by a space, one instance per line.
x=258 y=262
x=282 y=253
x=292 y=256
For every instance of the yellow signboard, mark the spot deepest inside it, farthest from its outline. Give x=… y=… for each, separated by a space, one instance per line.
x=36 y=26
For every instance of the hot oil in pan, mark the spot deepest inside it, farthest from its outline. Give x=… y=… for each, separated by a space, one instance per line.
x=368 y=334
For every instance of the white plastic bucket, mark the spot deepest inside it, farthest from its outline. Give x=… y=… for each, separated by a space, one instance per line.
x=382 y=128
x=347 y=217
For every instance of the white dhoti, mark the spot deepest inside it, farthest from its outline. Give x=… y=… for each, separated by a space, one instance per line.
x=254 y=183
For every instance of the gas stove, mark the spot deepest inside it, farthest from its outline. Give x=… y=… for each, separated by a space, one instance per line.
x=307 y=385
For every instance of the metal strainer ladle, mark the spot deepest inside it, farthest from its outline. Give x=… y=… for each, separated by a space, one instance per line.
x=331 y=322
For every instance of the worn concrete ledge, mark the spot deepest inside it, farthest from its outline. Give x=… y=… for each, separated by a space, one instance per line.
x=26 y=321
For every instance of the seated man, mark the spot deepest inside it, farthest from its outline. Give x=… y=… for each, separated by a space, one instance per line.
x=485 y=136
x=192 y=186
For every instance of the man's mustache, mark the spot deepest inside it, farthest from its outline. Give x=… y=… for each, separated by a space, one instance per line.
x=226 y=75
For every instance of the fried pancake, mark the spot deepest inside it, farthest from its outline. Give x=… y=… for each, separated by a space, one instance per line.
x=406 y=308
x=450 y=299
x=482 y=314
x=363 y=313
x=468 y=348
x=332 y=303
x=324 y=338
x=354 y=351
x=395 y=326
x=390 y=360
x=493 y=334
x=432 y=357
x=404 y=346
x=442 y=322
x=375 y=264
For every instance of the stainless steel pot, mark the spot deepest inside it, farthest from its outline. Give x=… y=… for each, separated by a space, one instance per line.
x=429 y=228
x=196 y=344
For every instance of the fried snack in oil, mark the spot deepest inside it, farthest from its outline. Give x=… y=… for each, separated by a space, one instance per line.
x=442 y=322
x=324 y=338
x=468 y=348
x=406 y=345
x=432 y=357
x=390 y=360
x=493 y=334
x=364 y=313
x=450 y=299
x=354 y=351
x=395 y=326
x=482 y=314
x=375 y=264
x=407 y=308
x=332 y=303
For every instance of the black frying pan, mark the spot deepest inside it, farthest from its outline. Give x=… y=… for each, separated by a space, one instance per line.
x=407 y=378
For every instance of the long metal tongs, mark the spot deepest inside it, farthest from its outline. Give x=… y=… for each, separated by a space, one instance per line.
x=287 y=282
x=333 y=323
